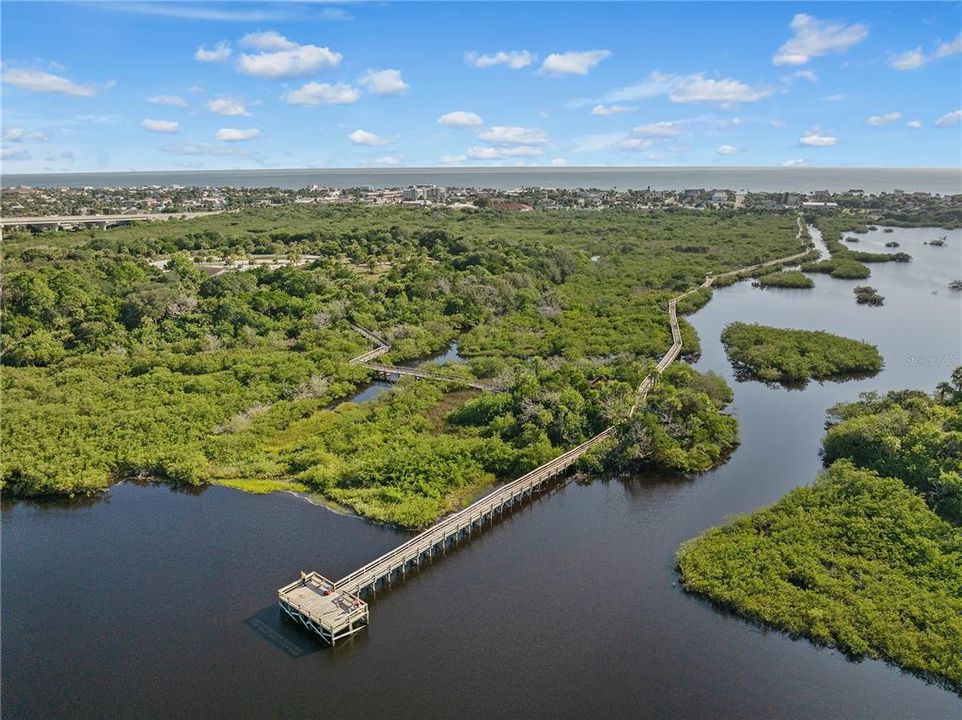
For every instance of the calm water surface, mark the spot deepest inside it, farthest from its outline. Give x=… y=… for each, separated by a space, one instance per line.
x=945 y=181
x=154 y=603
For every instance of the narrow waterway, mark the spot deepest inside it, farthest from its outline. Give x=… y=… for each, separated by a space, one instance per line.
x=154 y=603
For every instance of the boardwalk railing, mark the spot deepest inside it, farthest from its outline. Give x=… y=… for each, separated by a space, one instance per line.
x=428 y=375
x=383 y=346
x=460 y=525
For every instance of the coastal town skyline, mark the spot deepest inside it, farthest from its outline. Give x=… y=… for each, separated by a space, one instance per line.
x=174 y=86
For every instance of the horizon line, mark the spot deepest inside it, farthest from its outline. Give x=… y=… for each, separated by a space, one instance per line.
x=492 y=168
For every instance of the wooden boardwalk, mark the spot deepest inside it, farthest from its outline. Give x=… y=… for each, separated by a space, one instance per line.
x=387 y=371
x=338 y=612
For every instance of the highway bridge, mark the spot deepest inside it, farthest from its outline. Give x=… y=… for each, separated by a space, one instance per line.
x=57 y=222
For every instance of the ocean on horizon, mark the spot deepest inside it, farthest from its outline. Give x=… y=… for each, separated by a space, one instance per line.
x=943 y=181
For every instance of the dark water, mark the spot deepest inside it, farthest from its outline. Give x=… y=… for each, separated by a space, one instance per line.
x=159 y=604
x=944 y=181
x=369 y=391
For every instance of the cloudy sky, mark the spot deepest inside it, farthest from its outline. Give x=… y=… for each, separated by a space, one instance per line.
x=90 y=86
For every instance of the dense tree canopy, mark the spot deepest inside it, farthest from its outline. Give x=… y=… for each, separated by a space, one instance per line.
x=796 y=356
x=122 y=358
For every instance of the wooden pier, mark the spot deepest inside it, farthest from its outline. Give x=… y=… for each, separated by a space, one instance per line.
x=335 y=610
x=313 y=601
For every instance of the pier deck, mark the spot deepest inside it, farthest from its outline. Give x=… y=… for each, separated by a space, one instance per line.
x=314 y=602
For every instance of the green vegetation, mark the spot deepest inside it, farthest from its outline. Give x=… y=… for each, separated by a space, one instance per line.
x=858 y=560
x=786 y=279
x=681 y=427
x=115 y=368
x=796 y=356
x=867 y=295
x=909 y=435
x=845 y=263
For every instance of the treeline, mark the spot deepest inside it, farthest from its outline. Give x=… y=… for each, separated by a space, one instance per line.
x=860 y=560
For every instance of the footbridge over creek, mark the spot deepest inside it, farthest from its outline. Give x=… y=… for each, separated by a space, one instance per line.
x=335 y=610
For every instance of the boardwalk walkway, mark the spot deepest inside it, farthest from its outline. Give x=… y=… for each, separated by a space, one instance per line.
x=335 y=610
x=382 y=346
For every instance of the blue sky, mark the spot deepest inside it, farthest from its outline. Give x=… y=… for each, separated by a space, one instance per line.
x=151 y=86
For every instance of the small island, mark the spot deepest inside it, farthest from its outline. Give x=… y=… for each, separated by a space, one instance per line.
x=781 y=355
x=867 y=295
x=785 y=279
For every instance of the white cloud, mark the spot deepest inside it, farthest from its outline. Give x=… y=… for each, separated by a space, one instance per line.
x=171 y=100
x=452 y=159
x=795 y=162
x=363 y=137
x=14 y=154
x=383 y=82
x=267 y=40
x=224 y=105
x=388 y=160
x=914 y=124
x=40 y=81
x=805 y=75
x=909 y=60
x=886 y=119
x=814 y=138
x=195 y=89
x=200 y=149
x=514 y=59
x=655 y=84
x=610 y=109
x=574 y=62
x=461 y=119
x=814 y=38
x=219 y=53
x=953 y=47
x=697 y=88
x=777 y=124
x=559 y=162
x=634 y=144
x=283 y=58
x=498 y=153
x=235 y=135
x=161 y=126
x=663 y=129
x=314 y=93
x=949 y=119
x=500 y=135
x=727 y=150
x=916 y=58
x=21 y=135
x=183 y=10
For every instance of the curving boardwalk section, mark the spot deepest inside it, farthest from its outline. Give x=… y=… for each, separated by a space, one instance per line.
x=387 y=371
x=335 y=610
